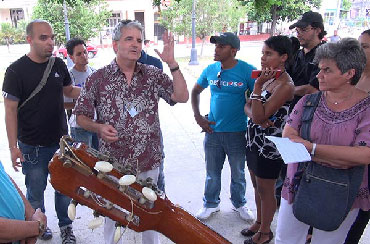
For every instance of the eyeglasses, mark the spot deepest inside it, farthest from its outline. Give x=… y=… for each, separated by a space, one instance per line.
x=218 y=83
x=304 y=30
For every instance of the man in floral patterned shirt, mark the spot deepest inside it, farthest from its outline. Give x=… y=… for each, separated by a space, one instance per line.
x=125 y=94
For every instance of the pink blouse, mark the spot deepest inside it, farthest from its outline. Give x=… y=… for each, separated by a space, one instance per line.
x=350 y=127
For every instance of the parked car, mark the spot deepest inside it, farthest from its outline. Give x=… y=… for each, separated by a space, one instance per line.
x=62 y=51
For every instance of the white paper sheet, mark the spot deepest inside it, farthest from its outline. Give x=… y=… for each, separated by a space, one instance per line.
x=290 y=151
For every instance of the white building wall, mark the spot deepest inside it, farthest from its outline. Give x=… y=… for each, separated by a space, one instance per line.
x=5 y=15
x=26 y=5
x=128 y=9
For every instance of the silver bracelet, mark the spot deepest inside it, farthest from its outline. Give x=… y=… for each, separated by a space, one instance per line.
x=313 y=149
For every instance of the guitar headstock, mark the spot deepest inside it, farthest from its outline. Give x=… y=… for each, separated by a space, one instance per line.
x=72 y=173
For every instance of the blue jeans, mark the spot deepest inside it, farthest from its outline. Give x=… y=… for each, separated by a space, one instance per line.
x=35 y=168
x=87 y=137
x=161 y=182
x=216 y=146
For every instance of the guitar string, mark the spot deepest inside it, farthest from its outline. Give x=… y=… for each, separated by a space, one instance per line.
x=131 y=216
x=95 y=198
x=80 y=162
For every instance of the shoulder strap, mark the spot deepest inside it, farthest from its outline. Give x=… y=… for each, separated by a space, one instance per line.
x=308 y=110
x=42 y=82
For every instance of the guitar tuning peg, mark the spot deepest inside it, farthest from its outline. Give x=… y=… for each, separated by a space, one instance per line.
x=95 y=223
x=149 y=194
x=142 y=200
x=103 y=166
x=127 y=180
x=67 y=163
x=129 y=218
x=109 y=205
x=96 y=214
x=117 y=233
x=72 y=210
x=87 y=194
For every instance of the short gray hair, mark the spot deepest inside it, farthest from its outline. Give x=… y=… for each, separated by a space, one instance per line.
x=29 y=27
x=117 y=32
x=346 y=53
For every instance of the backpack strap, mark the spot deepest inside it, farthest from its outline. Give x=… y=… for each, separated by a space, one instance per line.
x=308 y=111
x=42 y=82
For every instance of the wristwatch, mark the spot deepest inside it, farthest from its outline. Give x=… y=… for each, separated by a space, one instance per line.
x=174 y=69
x=42 y=227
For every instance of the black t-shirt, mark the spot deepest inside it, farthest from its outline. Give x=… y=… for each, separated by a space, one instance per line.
x=42 y=120
x=304 y=71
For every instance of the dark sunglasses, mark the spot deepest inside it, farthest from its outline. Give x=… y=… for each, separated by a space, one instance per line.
x=218 y=83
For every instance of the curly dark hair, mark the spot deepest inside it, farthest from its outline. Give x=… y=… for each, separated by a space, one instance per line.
x=72 y=43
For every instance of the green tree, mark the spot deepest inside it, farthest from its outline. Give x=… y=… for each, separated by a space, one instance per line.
x=12 y=35
x=272 y=11
x=346 y=6
x=7 y=33
x=211 y=17
x=20 y=32
x=86 y=18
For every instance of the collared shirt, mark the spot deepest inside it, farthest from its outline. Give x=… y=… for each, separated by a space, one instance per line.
x=131 y=109
x=304 y=71
x=147 y=59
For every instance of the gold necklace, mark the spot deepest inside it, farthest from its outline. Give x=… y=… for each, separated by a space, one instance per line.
x=338 y=102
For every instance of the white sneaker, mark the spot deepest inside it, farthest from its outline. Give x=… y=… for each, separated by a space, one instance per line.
x=204 y=213
x=245 y=213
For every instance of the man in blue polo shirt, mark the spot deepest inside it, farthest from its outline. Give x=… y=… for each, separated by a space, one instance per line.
x=225 y=125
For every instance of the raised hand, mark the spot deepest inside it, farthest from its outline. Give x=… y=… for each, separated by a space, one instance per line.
x=167 y=54
x=266 y=74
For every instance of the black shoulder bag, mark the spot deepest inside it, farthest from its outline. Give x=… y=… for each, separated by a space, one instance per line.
x=42 y=82
x=323 y=195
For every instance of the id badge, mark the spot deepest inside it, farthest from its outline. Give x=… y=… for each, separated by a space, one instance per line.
x=132 y=111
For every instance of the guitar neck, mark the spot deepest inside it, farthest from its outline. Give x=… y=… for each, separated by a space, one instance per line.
x=76 y=177
x=181 y=227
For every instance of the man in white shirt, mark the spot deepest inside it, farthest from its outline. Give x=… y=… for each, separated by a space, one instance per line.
x=76 y=49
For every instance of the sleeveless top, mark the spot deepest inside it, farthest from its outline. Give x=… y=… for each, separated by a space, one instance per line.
x=255 y=135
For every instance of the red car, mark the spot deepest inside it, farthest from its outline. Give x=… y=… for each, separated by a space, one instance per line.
x=62 y=51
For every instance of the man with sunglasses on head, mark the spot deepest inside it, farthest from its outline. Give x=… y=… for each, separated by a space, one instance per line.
x=229 y=79
x=125 y=95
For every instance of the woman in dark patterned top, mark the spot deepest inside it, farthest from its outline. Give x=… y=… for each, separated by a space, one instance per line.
x=267 y=109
